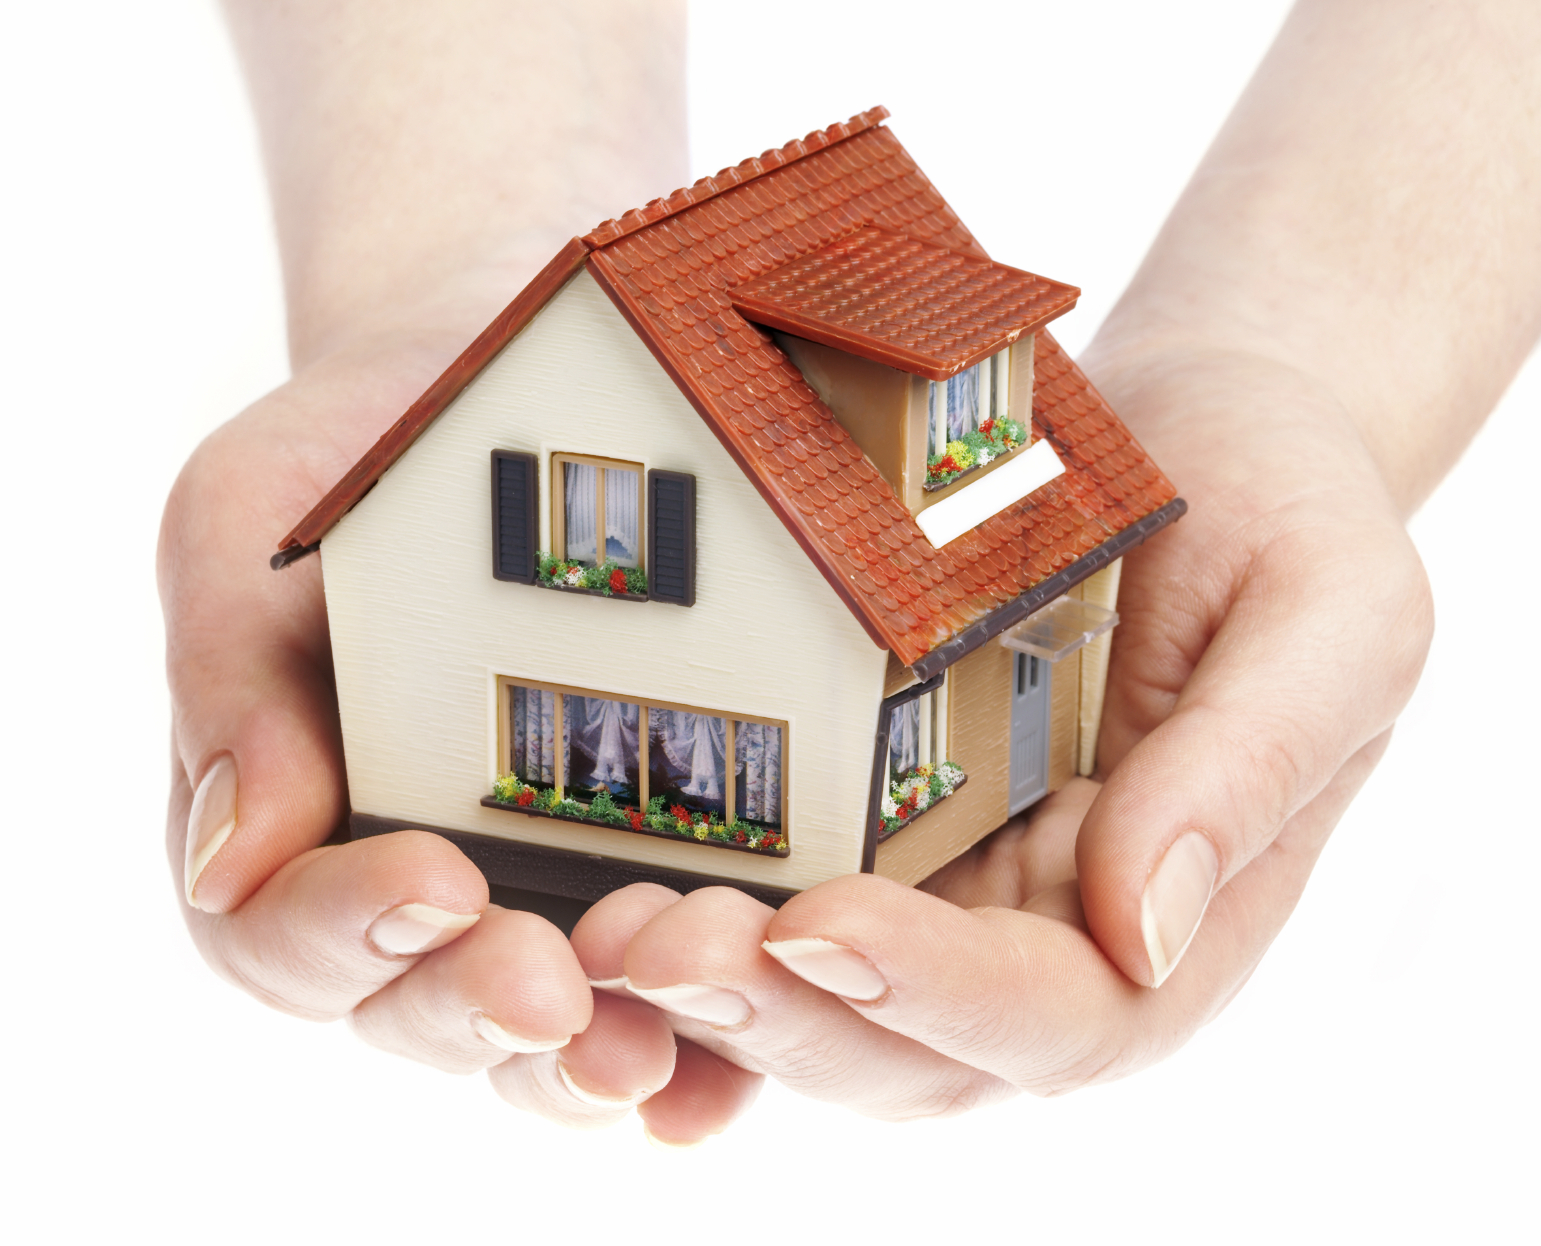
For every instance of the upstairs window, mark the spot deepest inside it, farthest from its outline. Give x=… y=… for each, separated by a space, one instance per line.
x=598 y=510
x=960 y=404
x=612 y=532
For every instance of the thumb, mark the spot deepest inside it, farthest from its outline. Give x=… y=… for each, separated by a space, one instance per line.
x=254 y=717
x=1298 y=678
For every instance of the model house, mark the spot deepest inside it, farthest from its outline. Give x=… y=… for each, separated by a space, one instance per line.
x=767 y=536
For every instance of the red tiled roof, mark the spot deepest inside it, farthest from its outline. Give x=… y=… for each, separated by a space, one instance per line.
x=903 y=302
x=670 y=267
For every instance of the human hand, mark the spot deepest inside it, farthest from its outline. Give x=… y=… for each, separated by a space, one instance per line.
x=394 y=932
x=1268 y=642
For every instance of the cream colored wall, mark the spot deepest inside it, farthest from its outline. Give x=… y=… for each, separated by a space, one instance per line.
x=421 y=630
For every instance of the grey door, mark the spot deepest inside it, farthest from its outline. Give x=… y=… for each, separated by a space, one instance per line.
x=1029 y=730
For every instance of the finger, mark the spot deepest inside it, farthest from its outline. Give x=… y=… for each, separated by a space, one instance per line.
x=510 y=985
x=626 y=1055
x=702 y=961
x=600 y=938
x=1293 y=684
x=706 y=1094
x=336 y=924
x=1028 y=997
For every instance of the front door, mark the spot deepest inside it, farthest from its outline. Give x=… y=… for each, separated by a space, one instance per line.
x=1029 y=730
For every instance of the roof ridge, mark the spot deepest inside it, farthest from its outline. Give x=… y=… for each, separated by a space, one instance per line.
x=726 y=179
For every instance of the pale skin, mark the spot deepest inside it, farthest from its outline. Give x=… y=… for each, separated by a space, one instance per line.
x=1338 y=300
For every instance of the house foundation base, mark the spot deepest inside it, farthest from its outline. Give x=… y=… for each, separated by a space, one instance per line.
x=559 y=871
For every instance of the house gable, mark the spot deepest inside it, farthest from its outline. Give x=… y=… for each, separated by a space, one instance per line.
x=421 y=630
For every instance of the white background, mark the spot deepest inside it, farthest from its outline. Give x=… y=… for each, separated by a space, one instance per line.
x=1375 y=1081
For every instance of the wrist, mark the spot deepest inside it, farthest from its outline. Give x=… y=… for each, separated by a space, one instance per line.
x=1234 y=422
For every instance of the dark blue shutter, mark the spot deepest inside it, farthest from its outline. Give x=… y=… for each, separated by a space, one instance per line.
x=671 y=537
x=515 y=527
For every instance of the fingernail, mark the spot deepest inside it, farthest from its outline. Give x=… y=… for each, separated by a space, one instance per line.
x=597 y=1100
x=658 y=1144
x=609 y=984
x=210 y=821
x=1176 y=895
x=414 y=928
x=831 y=967
x=711 y=1004
x=495 y=1034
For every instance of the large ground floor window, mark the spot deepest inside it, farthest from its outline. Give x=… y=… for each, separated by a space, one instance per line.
x=643 y=765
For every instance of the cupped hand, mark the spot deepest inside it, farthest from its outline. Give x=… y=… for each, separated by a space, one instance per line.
x=394 y=932
x=1268 y=642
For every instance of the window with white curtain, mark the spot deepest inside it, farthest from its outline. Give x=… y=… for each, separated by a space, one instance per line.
x=963 y=402
x=597 y=512
x=583 y=744
x=917 y=733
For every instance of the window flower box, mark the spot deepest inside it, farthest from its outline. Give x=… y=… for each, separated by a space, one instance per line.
x=606 y=579
x=913 y=793
x=972 y=451
x=674 y=822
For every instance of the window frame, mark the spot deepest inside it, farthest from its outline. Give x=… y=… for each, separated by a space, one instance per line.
x=644 y=704
x=559 y=505
x=999 y=400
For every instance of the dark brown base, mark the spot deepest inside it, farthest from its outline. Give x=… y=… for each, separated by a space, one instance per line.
x=561 y=871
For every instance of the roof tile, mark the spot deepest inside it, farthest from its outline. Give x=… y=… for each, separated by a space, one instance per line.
x=801 y=211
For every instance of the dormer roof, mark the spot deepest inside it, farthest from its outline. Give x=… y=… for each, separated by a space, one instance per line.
x=899 y=301
x=672 y=268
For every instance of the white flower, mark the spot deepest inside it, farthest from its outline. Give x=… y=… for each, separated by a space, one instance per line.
x=890 y=809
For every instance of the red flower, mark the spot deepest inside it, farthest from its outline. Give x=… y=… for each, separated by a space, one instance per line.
x=618 y=581
x=987 y=426
x=526 y=797
x=680 y=814
x=635 y=819
x=740 y=837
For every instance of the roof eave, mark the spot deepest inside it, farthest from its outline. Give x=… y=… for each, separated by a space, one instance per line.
x=306 y=536
x=986 y=629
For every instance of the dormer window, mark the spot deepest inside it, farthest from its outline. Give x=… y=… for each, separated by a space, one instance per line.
x=923 y=353
x=969 y=419
x=960 y=404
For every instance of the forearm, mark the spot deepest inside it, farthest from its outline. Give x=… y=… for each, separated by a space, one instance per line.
x=1369 y=216
x=426 y=159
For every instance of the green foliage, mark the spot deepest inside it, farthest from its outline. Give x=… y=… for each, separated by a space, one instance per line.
x=604 y=809
x=988 y=442
x=554 y=572
x=675 y=820
x=913 y=793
